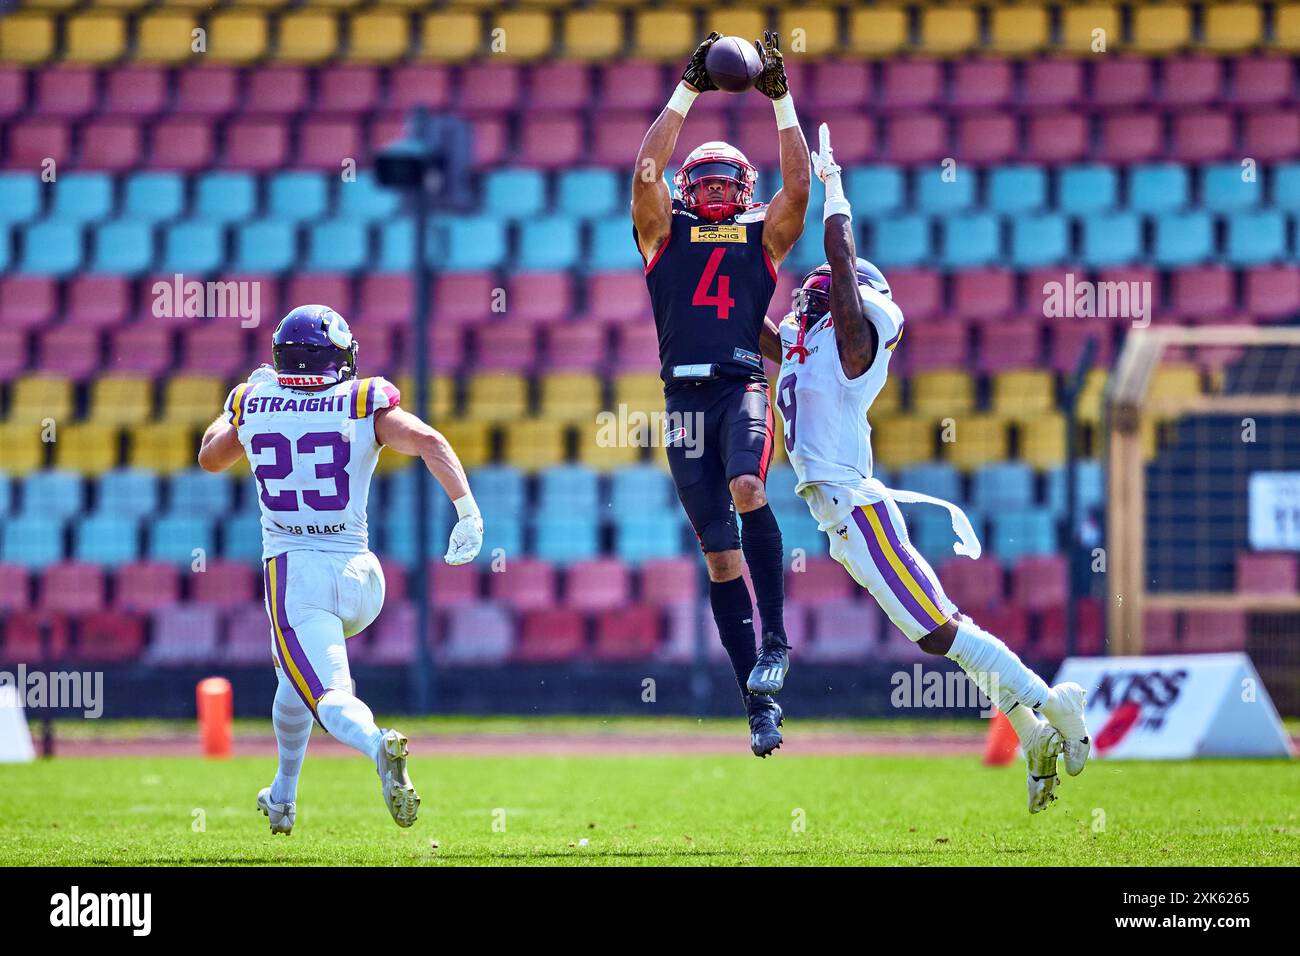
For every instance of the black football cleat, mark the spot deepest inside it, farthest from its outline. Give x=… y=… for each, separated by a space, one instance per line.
x=765 y=717
x=768 y=675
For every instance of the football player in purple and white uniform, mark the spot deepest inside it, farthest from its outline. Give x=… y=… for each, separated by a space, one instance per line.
x=312 y=432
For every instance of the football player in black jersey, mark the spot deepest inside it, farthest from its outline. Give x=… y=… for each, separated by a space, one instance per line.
x=711 y=256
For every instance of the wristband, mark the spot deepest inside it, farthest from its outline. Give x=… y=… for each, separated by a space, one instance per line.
x=837 y=207
x=682 y=98
x=785 y=114
x=466 y=506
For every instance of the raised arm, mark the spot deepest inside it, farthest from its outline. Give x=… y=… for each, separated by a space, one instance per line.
x=220 y=448
x=651 y=202
x=783 y=224
x=855 y=336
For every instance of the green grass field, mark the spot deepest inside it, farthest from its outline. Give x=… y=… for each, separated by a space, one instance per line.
x=693 y=810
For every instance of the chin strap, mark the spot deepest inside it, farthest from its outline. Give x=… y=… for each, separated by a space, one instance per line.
x=798 y=349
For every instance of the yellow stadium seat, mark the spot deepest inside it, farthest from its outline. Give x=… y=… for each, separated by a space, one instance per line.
x=570 y=396
x=198 y=5
x=39 y=397
x=533 y=443
x=123 y=4
x=890 y=399
x=496 y=397
x=451 y=36
x=49 y=4
x=378 y=36
x=193 y=399
x=121 y=400
x=639 y=391
x=949 y=30
x=898 y=441
x=472 y=441
x=442 y=397
x=664 y=34
x=1233 y=26
x=238 y=36
x=591 y=34
x=743 y=22
x=523 y=34
x=88 y=448
x=877 y=31
x=1286 y=26
x=976 y=440
x=1078 y=26
x=258 y=4
x=808 y=31
x=307 y=36
x=597 y=451
x=1022 y=394
x=339 y=4
x=1016 y=31
x=1092 y=397
x=1173 y=381
x=163 y=446
x=942 y=393
x=1161 y=29
x=1042 y=441
x=94 y=38
x=26 y=38
x=21 y=449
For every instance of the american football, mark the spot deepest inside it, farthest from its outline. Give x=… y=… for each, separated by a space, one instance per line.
x=734 y=64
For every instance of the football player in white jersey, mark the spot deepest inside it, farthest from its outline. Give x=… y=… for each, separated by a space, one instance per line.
x=835 y=348
x=312 y=432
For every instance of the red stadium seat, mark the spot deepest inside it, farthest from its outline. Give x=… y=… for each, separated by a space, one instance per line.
x=446 y=349
x=381 y=350
x=111 y=637
x=552 y=141
x=982 y=84
x=1273 y=135
x=988 y=137
x=412 y=85
x=28 y=301
x=216 y=347
x=636 y=349
x=146 y=586
x=577 y=345
x=32 y=141
x=529 y=586
x=855 y=137
x=181 y=143
x=1009 y=622
x=798 y=73
x=207 y=91
x=946 y=345
x=844 y=84
x=1057 y=138
x=69 y=350
x=13 y=91
x=983 y=294
x=1268 y=573
x=617 y=296
x=66 y=91
x=632 y=86
x=386 y=298
x=114 y=145
x=1198 y=137
x=616 y=137
x=1207 y=630
x=258 y=144
x=186 y=634
x=974 y=586
x=136 y=90
x=15 y=593
x=491 y=141
x=1204 y=291
x=704 y=128
x=539 y=297
x=627 y=634
x=1088 y=641
x=919 y=291
x=1121 y=82
x=490 y=87
x=669 y=581
x=506 y=345
x=1051 y=84
x=394 y=636
x=559 y=86
x=347 y=89
x=142 y=348
x=394 y=579
x=72 y=587
x=1262 y=80
x=276 y=90
x=1190 y=81
x=911 y=84
x=1159 y=631
x=13 y=353
x=756 y=138
x=1066 y=342
x=464 y=297
x=842 y=632
x=600 y=584
x=248 y=636
x=323 y=143
x=916 y=138
x=559 y=634
x=330 y=288
x=1015 y=343
x=1039 y=582
x=1271 y=292
x=23 y=643
x=824 y=579
x=452 y=586
x=1131 y=137
x=478 y=635
x=224 y=584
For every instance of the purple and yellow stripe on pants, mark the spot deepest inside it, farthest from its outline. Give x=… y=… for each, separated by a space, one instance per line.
x=893 y=559
x=293 y=660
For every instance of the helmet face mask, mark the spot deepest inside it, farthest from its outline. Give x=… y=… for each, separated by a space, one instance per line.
x=313 y=346
x=812 y=300
x=716 y=164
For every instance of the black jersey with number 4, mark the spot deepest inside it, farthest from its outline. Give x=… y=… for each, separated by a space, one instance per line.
x=710 y=285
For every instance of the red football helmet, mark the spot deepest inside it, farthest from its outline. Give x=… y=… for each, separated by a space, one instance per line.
x=716 y=163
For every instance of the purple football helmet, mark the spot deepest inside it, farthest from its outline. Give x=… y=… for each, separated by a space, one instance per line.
x=314 y=346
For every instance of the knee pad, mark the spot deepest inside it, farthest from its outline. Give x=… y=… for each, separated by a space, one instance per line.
x=720 y=536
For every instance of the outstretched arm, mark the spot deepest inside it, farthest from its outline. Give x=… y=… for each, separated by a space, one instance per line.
x=407 y=434
x=783 y=224
x=651 y=202
x=855 y=336
x=220 y=448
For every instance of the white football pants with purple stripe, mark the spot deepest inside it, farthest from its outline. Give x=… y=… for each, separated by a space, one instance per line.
x=315 y=601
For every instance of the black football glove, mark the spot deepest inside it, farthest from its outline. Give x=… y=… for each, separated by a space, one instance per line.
x=695 y=73
x=772 y=82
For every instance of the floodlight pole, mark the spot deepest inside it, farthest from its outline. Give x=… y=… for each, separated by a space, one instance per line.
x=1073 y=387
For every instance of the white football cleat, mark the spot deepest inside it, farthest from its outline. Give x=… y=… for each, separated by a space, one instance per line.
x=1041 y=752
x=1064 y=711
x=399 y=793
x=281 y=815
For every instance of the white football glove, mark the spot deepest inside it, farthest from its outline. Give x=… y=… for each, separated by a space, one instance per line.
x=263 y=373
x=828 y=171
x=466 y=540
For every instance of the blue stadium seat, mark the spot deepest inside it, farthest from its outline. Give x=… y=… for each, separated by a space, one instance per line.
x=781 y=482
x=298 y=196
x=930 y=531
x=799 y=530
x=612 y=246
x=895 y=241
x=644 y=535
x=568 y=489
x=395 y=238
x=20 y=197
x=1086 y=189
x=337 y=245
x=1257 y=237
x=873 y=189
x=364 y=199
x=474 y=243
x=589 y=193
x=501 y=540
x=1039 y=240
x=970 y=240
x=938 y=479
x=1089 y=484
x=399 y=500
x=241 y=537
x=6 y=494
x=226 y=196
x=6 y=248
x=1021 y=533
x=197 y=246
x=129 y=492
x=1002 y=485
x=1224 y=190
x=52 y=247
x=1286 y=186
x=936 y=195
x=266 y=245
x=499 y=490
x=1183 y=238
x=1016 y=189
x=1157 y=188
x=198 y=493
x=395 y=534
x=123 y=247
x=514 y=193
x=53 y=494
x=106 y=539
x=175 y=537
x=641 y=488
x=83 y=197
x=551 y=242
x=565 y=538
x=155 y=197
x=1112 y=238
x=34 y=541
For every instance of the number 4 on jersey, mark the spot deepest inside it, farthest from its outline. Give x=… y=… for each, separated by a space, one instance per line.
x=722 y=300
